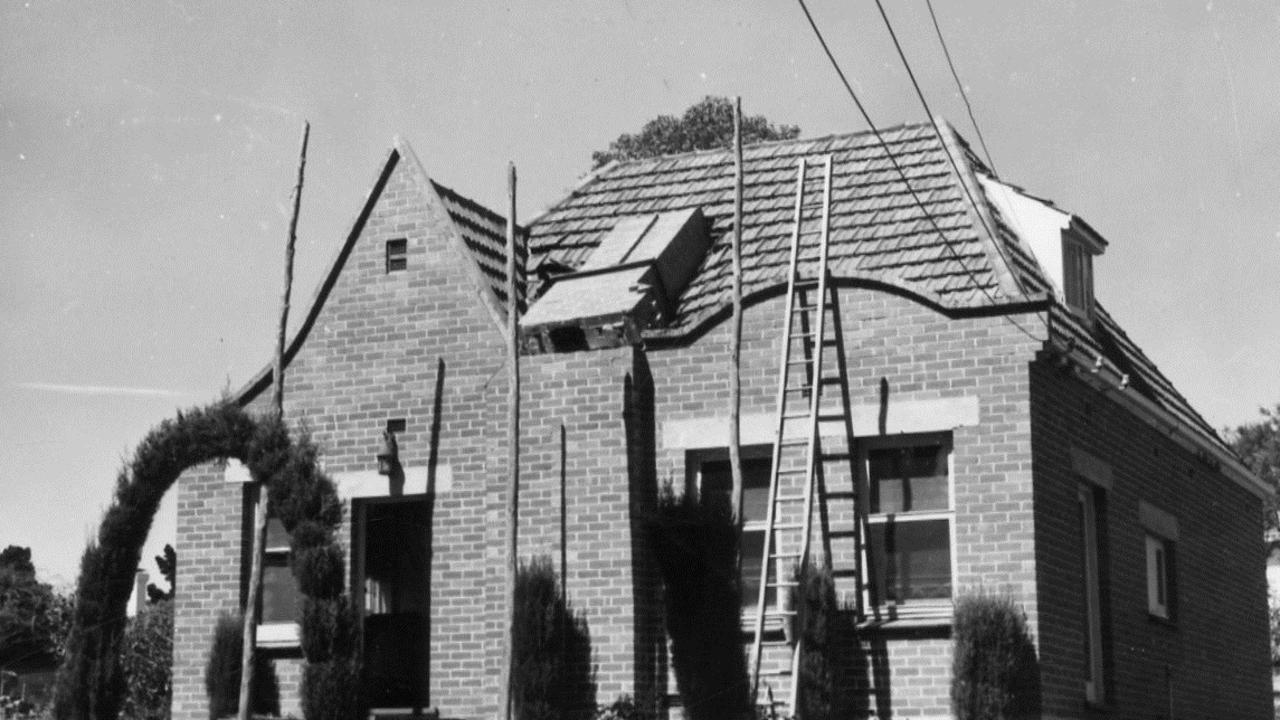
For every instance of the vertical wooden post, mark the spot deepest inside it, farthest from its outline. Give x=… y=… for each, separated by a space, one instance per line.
x=735 y=349
x=259 y=496
x=513 y=452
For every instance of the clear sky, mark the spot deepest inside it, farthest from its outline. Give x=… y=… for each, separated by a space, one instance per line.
x=147 y=152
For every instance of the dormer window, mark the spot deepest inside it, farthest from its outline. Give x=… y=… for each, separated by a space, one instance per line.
x=1077 y=276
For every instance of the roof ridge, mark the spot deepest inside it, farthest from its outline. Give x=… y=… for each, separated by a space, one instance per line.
x=616 y=164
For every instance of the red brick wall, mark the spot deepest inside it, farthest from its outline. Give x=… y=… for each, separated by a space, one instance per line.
x=1213 y=658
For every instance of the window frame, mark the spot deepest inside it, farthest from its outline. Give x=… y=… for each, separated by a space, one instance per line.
x=1077 y=276
x=1160 y=586
x=1091 y=555
x=397 y=255
x=932 y=608
x=694 y=460
x=276 y=633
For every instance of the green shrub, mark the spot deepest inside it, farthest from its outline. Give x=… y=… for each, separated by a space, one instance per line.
x=551 y=675
x=995 y=674
x=222 y=673
x=695 y=547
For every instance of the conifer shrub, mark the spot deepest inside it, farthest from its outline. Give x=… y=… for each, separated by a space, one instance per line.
x=329 y=689
x=328 y=629
x=824 y=629
x=694 y=544
x=995 y=674
x=551 y=673
x=319 y=570
x=222 y=673
x=90 y=683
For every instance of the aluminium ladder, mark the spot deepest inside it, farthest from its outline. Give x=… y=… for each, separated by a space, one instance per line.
x=797 y=451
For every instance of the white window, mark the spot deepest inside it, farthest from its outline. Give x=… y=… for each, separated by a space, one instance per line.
x=715 y=483
x=1077 y=276
x=1159 y=579
x=1094 y=688
x=909 y=561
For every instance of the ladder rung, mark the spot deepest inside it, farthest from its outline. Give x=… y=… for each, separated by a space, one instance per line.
x=841 y=534
x=788 y=526
x=779 y=613
x=788 y=498
x=783 y=583
x=779 y=556
x=793 y=471
x=792 y=442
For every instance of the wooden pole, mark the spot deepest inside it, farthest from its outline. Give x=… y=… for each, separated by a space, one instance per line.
x=513 y=452
x=260 y=497
x=735 y=349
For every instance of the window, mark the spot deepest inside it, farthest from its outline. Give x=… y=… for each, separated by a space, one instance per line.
x=397 y=255
x=910 y=519
x=1077 y=276
x=1159 y=577
x=715 y=482
x=1087 y=502
x=278 y=603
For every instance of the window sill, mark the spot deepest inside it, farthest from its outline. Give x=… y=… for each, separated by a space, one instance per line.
x=278 y=635
x=908 y=617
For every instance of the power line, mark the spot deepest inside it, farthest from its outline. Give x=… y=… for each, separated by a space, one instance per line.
x=946 y=150
x=960 y=86
x=902 y=174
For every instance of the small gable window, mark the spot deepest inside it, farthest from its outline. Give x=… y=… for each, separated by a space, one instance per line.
x=1077 y=276
x=397 y=255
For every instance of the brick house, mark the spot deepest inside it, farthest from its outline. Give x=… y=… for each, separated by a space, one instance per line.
x=1009 y=436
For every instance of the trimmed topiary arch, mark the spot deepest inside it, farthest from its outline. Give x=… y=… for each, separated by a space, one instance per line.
x=90 y=684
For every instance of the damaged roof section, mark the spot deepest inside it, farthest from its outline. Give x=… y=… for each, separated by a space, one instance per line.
x=631 y=281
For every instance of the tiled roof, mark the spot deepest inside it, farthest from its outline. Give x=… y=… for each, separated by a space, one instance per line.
x=485 y=233
x=1109 y=341
x=878 y=231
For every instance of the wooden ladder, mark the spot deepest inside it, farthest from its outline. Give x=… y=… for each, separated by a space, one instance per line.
x=796 y=449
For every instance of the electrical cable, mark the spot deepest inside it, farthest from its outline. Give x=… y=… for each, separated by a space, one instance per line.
x=960 y=86
x=902 y=174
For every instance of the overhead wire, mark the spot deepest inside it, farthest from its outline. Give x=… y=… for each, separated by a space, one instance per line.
x=866 y=116
x=960 y=86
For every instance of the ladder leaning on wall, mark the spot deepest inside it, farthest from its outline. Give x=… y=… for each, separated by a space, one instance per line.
x=811 y=325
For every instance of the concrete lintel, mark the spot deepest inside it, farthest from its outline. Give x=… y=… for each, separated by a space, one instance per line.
x=901 y=417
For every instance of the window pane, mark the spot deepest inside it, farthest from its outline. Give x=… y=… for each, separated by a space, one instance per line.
x=912 y=559
x=904 y=479
x=752 y=554
x=717 y=484
x=279 y=590
x=277 y=538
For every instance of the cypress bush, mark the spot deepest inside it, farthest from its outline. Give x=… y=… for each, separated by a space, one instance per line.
x=551 y=675
x=824 y=630
x=695 y=546
x=995 y=674
x=91 y=683
x=329 y=689
x=222 y=673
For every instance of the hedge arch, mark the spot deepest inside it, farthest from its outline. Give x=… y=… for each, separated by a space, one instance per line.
x=90 y=684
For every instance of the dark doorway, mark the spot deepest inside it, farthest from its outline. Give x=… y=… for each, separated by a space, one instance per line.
x=393 y=594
